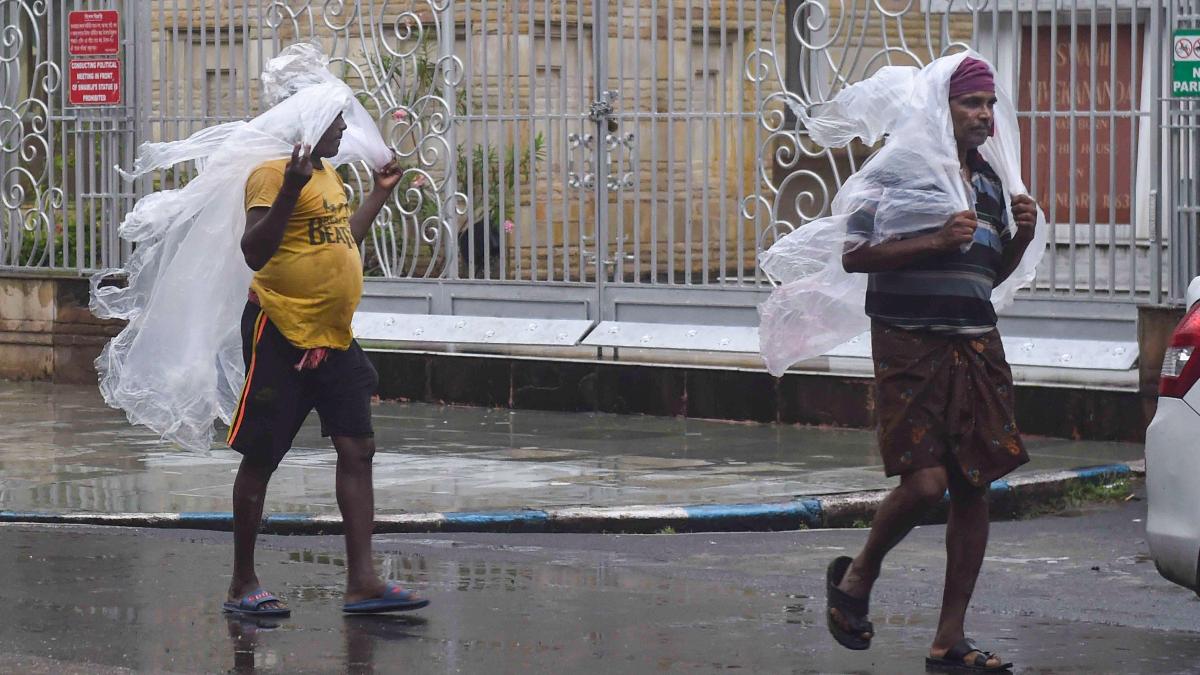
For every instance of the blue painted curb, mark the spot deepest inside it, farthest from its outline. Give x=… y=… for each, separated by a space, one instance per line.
x=838 y=510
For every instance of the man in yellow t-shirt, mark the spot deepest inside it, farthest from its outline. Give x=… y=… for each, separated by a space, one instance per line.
x=302 y=240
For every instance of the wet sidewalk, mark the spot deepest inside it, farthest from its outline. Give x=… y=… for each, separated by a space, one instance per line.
x=62 y=449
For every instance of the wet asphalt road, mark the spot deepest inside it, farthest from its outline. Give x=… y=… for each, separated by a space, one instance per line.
x=1058 y=595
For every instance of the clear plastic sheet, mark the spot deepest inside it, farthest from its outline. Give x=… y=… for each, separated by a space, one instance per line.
x=177 y=365
x=913 y=183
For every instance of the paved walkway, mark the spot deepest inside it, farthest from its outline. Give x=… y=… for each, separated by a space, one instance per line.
x=62 y=449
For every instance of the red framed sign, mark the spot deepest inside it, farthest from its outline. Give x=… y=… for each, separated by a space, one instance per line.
x=94 y=33
x=94 y=82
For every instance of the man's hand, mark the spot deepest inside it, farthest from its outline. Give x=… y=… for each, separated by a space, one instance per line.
x=1024 y=211
x=389 y=176
x=299 y=169
x=959 y=231
x=386 y=180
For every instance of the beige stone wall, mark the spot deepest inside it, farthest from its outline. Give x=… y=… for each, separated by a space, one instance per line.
x=46 y=330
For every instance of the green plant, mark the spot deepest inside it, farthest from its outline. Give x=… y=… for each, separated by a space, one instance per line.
x=1084 y=493
x=1079 y=495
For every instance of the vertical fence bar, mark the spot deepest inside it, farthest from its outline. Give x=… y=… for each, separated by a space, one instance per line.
x=1034 y=118
x=581 y=197
x=1092 y=163
x=543 y=127
x=722 y=105
x=740 y=134
x=689 y=170
x=1113 y=55
x=1052 y=162
x=618 y=194
x=670 y=151
x=1073 y=155
x=638 y=126
x=600 y=64
x=245 y=105
x=1156 y=256
x=655 y=123
x=447 y=34
x=705 y=149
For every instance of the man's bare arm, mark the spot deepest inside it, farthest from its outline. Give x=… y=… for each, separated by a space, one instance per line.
x=265 y=226
x=900 y=253
x=360 y=222
x=1024 y=211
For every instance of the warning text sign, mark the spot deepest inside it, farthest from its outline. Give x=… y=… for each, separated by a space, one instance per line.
x=1185 y=51
x=94 y=33
x=94 y=82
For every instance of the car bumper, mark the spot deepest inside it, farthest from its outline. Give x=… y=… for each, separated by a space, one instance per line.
x=1173 y=491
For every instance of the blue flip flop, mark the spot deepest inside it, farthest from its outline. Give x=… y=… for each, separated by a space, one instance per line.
x=394 y=599
x=251 y=603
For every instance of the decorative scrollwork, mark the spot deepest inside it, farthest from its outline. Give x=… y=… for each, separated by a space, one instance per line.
x=583 y=156
x=621 y=151
x=31 y=203
x=392 y=54
x=839 y=44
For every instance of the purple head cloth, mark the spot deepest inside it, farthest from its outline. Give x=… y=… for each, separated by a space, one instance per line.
x=971 y=75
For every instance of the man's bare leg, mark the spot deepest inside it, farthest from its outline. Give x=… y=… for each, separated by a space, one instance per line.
x=356 y=499
x=966 y=544
x=249 y=494
x=898 y=514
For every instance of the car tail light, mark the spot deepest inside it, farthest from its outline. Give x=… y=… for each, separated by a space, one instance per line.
x=1180 y=370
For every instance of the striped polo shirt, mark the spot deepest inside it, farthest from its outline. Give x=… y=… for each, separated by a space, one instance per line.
x=948 y=292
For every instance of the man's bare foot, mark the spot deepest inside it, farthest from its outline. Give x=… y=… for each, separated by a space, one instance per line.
x=240 y=589
x=368 y=589
x=855 y=585
x=967 y=653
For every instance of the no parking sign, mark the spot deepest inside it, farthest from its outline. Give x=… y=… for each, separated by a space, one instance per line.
x=1185 y=52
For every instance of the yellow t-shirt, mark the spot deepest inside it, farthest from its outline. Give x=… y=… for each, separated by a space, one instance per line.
x=311 y=286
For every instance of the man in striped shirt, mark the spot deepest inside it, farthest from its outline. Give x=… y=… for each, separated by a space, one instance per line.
x=944 y=394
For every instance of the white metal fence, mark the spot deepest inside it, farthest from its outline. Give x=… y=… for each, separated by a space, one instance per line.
x=620 y=160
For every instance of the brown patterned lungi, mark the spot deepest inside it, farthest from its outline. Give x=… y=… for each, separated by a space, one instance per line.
x=945 y=400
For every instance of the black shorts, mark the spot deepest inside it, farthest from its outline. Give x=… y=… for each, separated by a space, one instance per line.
x=277 y=397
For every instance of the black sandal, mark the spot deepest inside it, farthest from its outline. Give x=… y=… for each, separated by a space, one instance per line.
x=853 y=610
x=954 y=660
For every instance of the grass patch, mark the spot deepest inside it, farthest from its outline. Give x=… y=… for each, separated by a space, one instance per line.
x=1084 y=493
x=666 y=530
x=1080 y=495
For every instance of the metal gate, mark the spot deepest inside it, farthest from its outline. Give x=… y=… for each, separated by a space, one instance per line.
x=611 y=166
x=605 y=193
x=60 y=201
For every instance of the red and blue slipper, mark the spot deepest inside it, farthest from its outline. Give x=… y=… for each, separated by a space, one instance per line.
x=394 y=599
x=252 y=603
